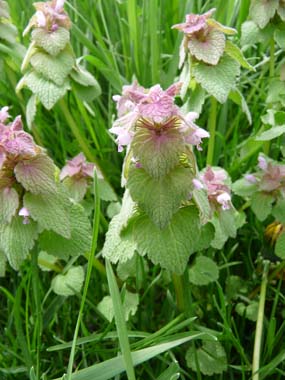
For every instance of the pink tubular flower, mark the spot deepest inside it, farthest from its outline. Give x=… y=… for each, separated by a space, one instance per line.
x=4 y=115
x=24 y=212
x=154 y=110
x=214 y=181
x=194 y=23
x=78 y=168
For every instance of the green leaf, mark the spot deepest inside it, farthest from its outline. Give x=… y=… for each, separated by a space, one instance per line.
x=76 y=187
x=160 y=198
x=156 y=157
x=196 y=100
x=218 y=80
x=50 y=211
x=131 y=267
x=172 y=246
x=31 y=111
x=207 y=234
x=79 y=241
x=37 y=174
x=4 y=9
x=86 y=94
x=249 y=311
x=46 y=262
x=278 y=211
x=261 y=205
x=80 y=75
x=2 y=264
x=17 y=239
x=226 y=224
x=237 y=97
x=201 y=199
x=211 y=358
x=280 y=246
x=279 y=37
x=106 y=191
x=250 y=34
x=262 y=11
x=209 y=50
x=8 y=33
x=203 y=271
x=276 y=92
x=244 y=188
x=220 y=27
x=235 y=285
x=281 y=10
x=185 y=78
x=46 y=91
x=271 y=133
x=233 y=51
x=130 y=306
x=9 y=203
x=54 y=68
x=115 y=248
x=69 y=283
x=51 y=42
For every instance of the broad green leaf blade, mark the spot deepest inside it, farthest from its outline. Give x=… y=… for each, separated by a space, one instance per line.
x=201 y=199
x=226 y=224
x=17 y=239
x=158 y=153
x=203 y=271
x=50 y=211
x=209 y=50
x=69 y=283
x=234 y=51
x=130 y=305
x=172 y=246
x=106 y=191
x=46 y=91
x=237 y=97
x=78 y=243
x=280 y=246
x=160 y=197
x=249 y=311
x=171 y=373
x=271 y=133
x=262 y=11
x=120 y=322
x=278 y=211
x=218 y=80
x=37 y=174
x=9 y=203
x=115 y=248
x=53 y=42
x=211 y=358
x=3 y=261
x=53 y=68
x=8 y=33
x=261 y=205
x=112 y=367
x=250 y=34
x=244 y=188
x=31 y=110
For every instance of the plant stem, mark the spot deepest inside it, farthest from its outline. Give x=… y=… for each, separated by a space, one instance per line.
x=179 y=291
x=267 y=144
x=212 y=130
x=259 y=323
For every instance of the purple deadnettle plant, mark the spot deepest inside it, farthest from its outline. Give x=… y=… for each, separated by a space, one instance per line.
x=166 y=207
x=34 y=205
x=50 y=66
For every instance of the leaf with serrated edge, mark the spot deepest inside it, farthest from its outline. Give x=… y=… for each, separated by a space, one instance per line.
x=233 y=51
x=54 y=68
x=244 y=188
x=210 y=50
x=37 y=174
x=280 y=246
x=9 y=202
x=130 y=305
x=218 y=80
x=47 y=92
x=261 y=205
x=17 y=239
x=69 y=283
x=250 y=33
x=31 y=110
x=115 y=248
x=158 y=154
x=160 y=198
x=50 y=211
x=172 y=246
x=211 y=358
x=278 y=211
x=222 y=28
x=262 y=11
x=79 y=242
x=225 y=227
x=201 y=199
x=53 y=42
x=203 y=271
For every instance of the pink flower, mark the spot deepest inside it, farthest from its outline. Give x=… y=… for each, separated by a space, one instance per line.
x=250 y=178
x=41 y=19
x=194 y=23
x=197 y=184
x=4 y=115
x=77 y=167
x=24 y=212
x=154 y=110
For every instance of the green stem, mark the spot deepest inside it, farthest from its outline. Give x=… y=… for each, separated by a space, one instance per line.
x=179 y=291
x=272 y=58
x=96 y=223
x=212 y=130
x=259 y=323
x=76 y=132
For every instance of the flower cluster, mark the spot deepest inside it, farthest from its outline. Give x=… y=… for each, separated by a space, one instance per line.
x=155 y=111
x=216 y=182
x=204 y=38
x=270 y=178
x=50 y=16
